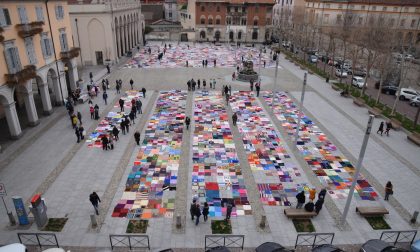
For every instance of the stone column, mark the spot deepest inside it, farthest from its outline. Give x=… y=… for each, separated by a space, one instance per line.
x=124 y=39
x=31 y=109
x=46 y=100
x=73 y=74
x=13 y=120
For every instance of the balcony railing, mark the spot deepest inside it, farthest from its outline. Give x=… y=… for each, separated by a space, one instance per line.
x=30 y=29
x=70 y=54
x=27 y=73
x=1 y=36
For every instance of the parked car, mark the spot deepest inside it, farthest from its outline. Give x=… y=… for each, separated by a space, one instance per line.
x=313 y=59
x=415 y=247
x=376 y=245
x=357 y=72
x=407 y=94
x=408 y=57
x=358 y=81
x=415 y=101
x=389 y=89
x=339 y=72
x=326 y=248
x=15 y=247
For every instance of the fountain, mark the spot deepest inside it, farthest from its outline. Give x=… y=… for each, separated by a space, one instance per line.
x=247 y=73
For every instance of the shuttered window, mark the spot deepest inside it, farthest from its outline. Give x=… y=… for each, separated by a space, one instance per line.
x=59 y=12
x=63 y=41
x=11 y=55
x=22 y=15
x=4 y=17
x=46 y=45
x=39 y=13
x=30 y=50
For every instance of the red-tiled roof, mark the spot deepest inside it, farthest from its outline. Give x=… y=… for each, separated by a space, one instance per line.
x=381 y=2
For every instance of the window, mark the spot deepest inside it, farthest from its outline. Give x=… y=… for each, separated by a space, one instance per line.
x=402 y=23
x=218 y=8
x=340 y=6
x=384 y=8
x=243 y=21
x=46 y=45
x=395 y=8
x=59 y=12
x=239 y=35
x=203 y=21
x=217 y=21
x=339 y=19
x=392 y=22
x=360 y=21
x=228 y=21
x=413 y=23
x=236 y=9
x=170 y=14
x=243 y=9
x=39 y=13
x=255 y=22
x=406 y=9
x=363 y=7
x=328 y=6
x=254 y=35
x=22 y=15
x=326 y=18
x=11 y=54
x=374 y=8
x=63 y=41
x=30 y=50
x=210 y=21
x=4 y=17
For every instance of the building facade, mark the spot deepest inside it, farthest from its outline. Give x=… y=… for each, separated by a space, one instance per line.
x=105 y=30
x=38 y=64
x=171 y=10
x=283 y=12
x=234 y=20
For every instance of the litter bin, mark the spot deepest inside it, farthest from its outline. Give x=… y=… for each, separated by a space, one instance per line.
x=327 y=79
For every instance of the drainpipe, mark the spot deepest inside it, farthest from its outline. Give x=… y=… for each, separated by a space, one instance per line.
x=55 y=55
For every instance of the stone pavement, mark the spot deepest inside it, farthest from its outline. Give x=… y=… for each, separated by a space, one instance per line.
x=67 y=172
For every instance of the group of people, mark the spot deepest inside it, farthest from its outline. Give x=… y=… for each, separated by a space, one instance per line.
x=196 y=210
x=191 y=84
x=76 y=121
x=311 y=206
x=387 y=129
x=257 y=86
x=227 y=92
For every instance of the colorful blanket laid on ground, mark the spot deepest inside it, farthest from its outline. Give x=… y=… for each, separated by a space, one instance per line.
x=114 y=117
x=177 y=56
x=151 y=185
x=327 y=162
x=277 y=176
x=217 y=176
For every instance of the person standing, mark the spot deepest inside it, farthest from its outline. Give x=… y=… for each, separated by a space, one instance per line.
x=388 y=128
x=143 y=90
x=131 y=115
x=105 y=96
x=203 y=63
x=187 y=122
x=251 y=85
x=214 y=61
x=229 y=209
x=211 y=83
x=312 y=193
x=127 y=124
x=318 y=205
x=74 y=121
x=197 y=214
x=115 y=132
x=79 y=117
x=138 y=106
x=77 y=132
x=117 y=87
x=137 y=137
x=381 y=128
x=204 y=84
x=121 y=102
x=94 y=199
x=322 y=194
x=187 y=63
x=227 y=98
x=192 y=209
x=131 y=83
x=122 y=125
x=214 y=83
x=198 y=84
x=388 y=190
x=300 y=199
x=108 y=69
x=104 y=140
x=110 y=142
x=92 y=112
x=82 y=132
x=233 y=76
x=206 y=211
x=257 y=87
x=96 y=108
x=234 y=118
x=107 y=83
x=226 y=89
x=230 y=90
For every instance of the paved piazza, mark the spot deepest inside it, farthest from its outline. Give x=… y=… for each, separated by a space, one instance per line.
x=257 y=165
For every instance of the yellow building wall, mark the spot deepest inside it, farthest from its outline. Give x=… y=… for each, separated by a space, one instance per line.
x=10 y=32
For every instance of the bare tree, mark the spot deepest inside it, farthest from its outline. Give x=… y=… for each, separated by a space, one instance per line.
x=345 y=32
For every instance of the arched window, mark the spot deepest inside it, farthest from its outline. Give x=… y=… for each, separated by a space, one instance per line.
x=254 y=35
x=210 y=20
x=217 y=21
x=203 y=19
x=217 y=35
x=255 y=21
x=228 y=20
x=231 y=35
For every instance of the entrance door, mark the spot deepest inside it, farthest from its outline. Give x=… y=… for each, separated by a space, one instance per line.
x=184 y=37
x=99 y=58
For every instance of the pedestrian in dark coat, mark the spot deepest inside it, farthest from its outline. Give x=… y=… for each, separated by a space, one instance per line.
x=121 y=102
x=227 y=98
x=189 y=85
x=107 y=83
x=381 y=128
x=318 y=205
x=230 y=90
x=187 y=122
x=122 y=125
x=214 y=61
x=118 y=87
x=77 y=132
x=300 y=199
x=388 y=128
x=137 y=137
x=138 y=106
x=206 y=211
x=309 y=207
x=105 y=96
x=229 y=209
x=197 y=214
x=204 y=84
x=257 y=87
x=389 y=190
x=127 y=124
x=81 y=132
x=322 y=194
x=143 y=90
x=193 y=206
x=79 y=116
x=96 y=108
x=105 y=141
x=108 y=69
x=251 y=85
x=234 y=118
x=134 y=110
x=198 y=83
x=115 y=132
x=94 y=199
x=131 y=83
x=131 y=115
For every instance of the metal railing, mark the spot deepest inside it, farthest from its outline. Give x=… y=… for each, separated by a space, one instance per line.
x=129 y=241
x=314 y=239
x=229 y=241
x=406 y=236
x=38 y=239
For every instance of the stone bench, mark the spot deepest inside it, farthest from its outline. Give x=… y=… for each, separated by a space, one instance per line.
x=301 y=213
x=359 y=102
x=375 y=112
x=372 y=211
x=415 y=138
x=336 y=88
x=396 y=125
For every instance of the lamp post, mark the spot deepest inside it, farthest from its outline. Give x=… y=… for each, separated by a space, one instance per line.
x=300 y=108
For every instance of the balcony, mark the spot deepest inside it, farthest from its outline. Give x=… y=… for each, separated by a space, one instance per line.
x=70 y=54
x=1 y=36
x=26 y=30
x=27 y=73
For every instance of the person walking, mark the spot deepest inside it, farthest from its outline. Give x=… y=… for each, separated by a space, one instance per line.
x=381 y=128
x=388 y=190
x=204 y=84
x=229 y=209
x=234 y=118
x=105 y=141
x=94 y=199
x=214 y=83
x=300 y=199
x=122 y=125
x=110 y=142
x=203 y=63
x=211 y=83
x=312 y=193
x=318 y=205
x=214 y=61
x=82 y=132
x=322 y=194
x=197 y=214
x=227 y=98
x=143 y=90
x=206 y=211
x=388 y=128
x=257 y=87
x=127 y=124
x=92 y=111
x=115 y=132
x=230 y=90
x=77 y=132
x=74 y=121
x=108 y=69
x=138 y=106
x=226 y=89
x=96 y=108
x=117 y=87
x=105 y=97
x=137 y=137
x=189 y=85
x=233 y=76
x=131 y=84
x=251 y=85
x=187 y=122
x=121 y=102
x=131 y=115
x=79 y=117
x=187 y=63
x=198 y=84
x=193 y=206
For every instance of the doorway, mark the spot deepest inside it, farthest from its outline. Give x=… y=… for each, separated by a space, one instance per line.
x=99 y=58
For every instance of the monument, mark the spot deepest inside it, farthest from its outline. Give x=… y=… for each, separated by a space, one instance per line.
x=247 y=73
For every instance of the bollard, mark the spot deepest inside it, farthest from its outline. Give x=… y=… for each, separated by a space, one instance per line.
x=263 y=220
x=178 y=221
x=11 y=219
x=93 y=221
x=414 y=217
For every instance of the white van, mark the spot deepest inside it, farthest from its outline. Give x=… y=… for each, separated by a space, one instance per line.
x=15 y=247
